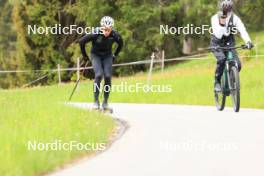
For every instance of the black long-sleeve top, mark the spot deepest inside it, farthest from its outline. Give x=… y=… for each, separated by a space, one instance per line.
x=101 y=45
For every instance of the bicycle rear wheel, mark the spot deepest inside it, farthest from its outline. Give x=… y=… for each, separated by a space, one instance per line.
x=220 y=97
x=235 y=88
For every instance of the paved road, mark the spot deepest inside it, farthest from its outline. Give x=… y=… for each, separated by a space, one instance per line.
x=171 y=140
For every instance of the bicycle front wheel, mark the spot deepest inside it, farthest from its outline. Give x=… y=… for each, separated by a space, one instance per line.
x=220 y=97
x=235 y=88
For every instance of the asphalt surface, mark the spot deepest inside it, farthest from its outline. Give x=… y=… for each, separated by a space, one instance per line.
x=170 y=140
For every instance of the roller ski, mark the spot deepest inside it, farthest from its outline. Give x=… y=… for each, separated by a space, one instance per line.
x=106 y=109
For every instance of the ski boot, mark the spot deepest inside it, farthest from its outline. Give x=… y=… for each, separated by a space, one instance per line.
x=96 y=105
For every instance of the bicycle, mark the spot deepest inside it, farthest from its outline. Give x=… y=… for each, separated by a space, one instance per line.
x=230 y=80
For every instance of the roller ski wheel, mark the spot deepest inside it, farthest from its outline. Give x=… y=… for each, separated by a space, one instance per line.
x=107 y=110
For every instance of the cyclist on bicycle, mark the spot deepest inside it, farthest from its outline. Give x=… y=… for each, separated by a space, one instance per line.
x=102 y=57
x=225 y=24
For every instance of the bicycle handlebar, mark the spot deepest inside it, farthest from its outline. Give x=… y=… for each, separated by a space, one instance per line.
x=224 y=48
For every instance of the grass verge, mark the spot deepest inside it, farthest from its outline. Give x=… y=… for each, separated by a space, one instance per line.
x=39 y=115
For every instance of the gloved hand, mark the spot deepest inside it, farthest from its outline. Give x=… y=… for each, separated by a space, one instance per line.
x=114 y=57
x=85 y=58
x=85 y=63
x=249 y=45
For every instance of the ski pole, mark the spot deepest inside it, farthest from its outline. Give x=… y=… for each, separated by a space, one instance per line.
x=77 y=83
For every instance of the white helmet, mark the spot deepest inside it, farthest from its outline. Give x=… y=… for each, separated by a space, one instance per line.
x=107 y=21
x=226 y=5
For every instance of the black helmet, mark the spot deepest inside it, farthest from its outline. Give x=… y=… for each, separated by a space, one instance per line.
x=226 y=5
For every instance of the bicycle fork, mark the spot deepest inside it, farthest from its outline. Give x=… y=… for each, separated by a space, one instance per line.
x=227 y=83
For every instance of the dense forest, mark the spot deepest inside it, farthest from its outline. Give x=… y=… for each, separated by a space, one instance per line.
x=138 y=21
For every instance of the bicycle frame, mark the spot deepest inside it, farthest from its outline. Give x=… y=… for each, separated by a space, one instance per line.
x=226 y=78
